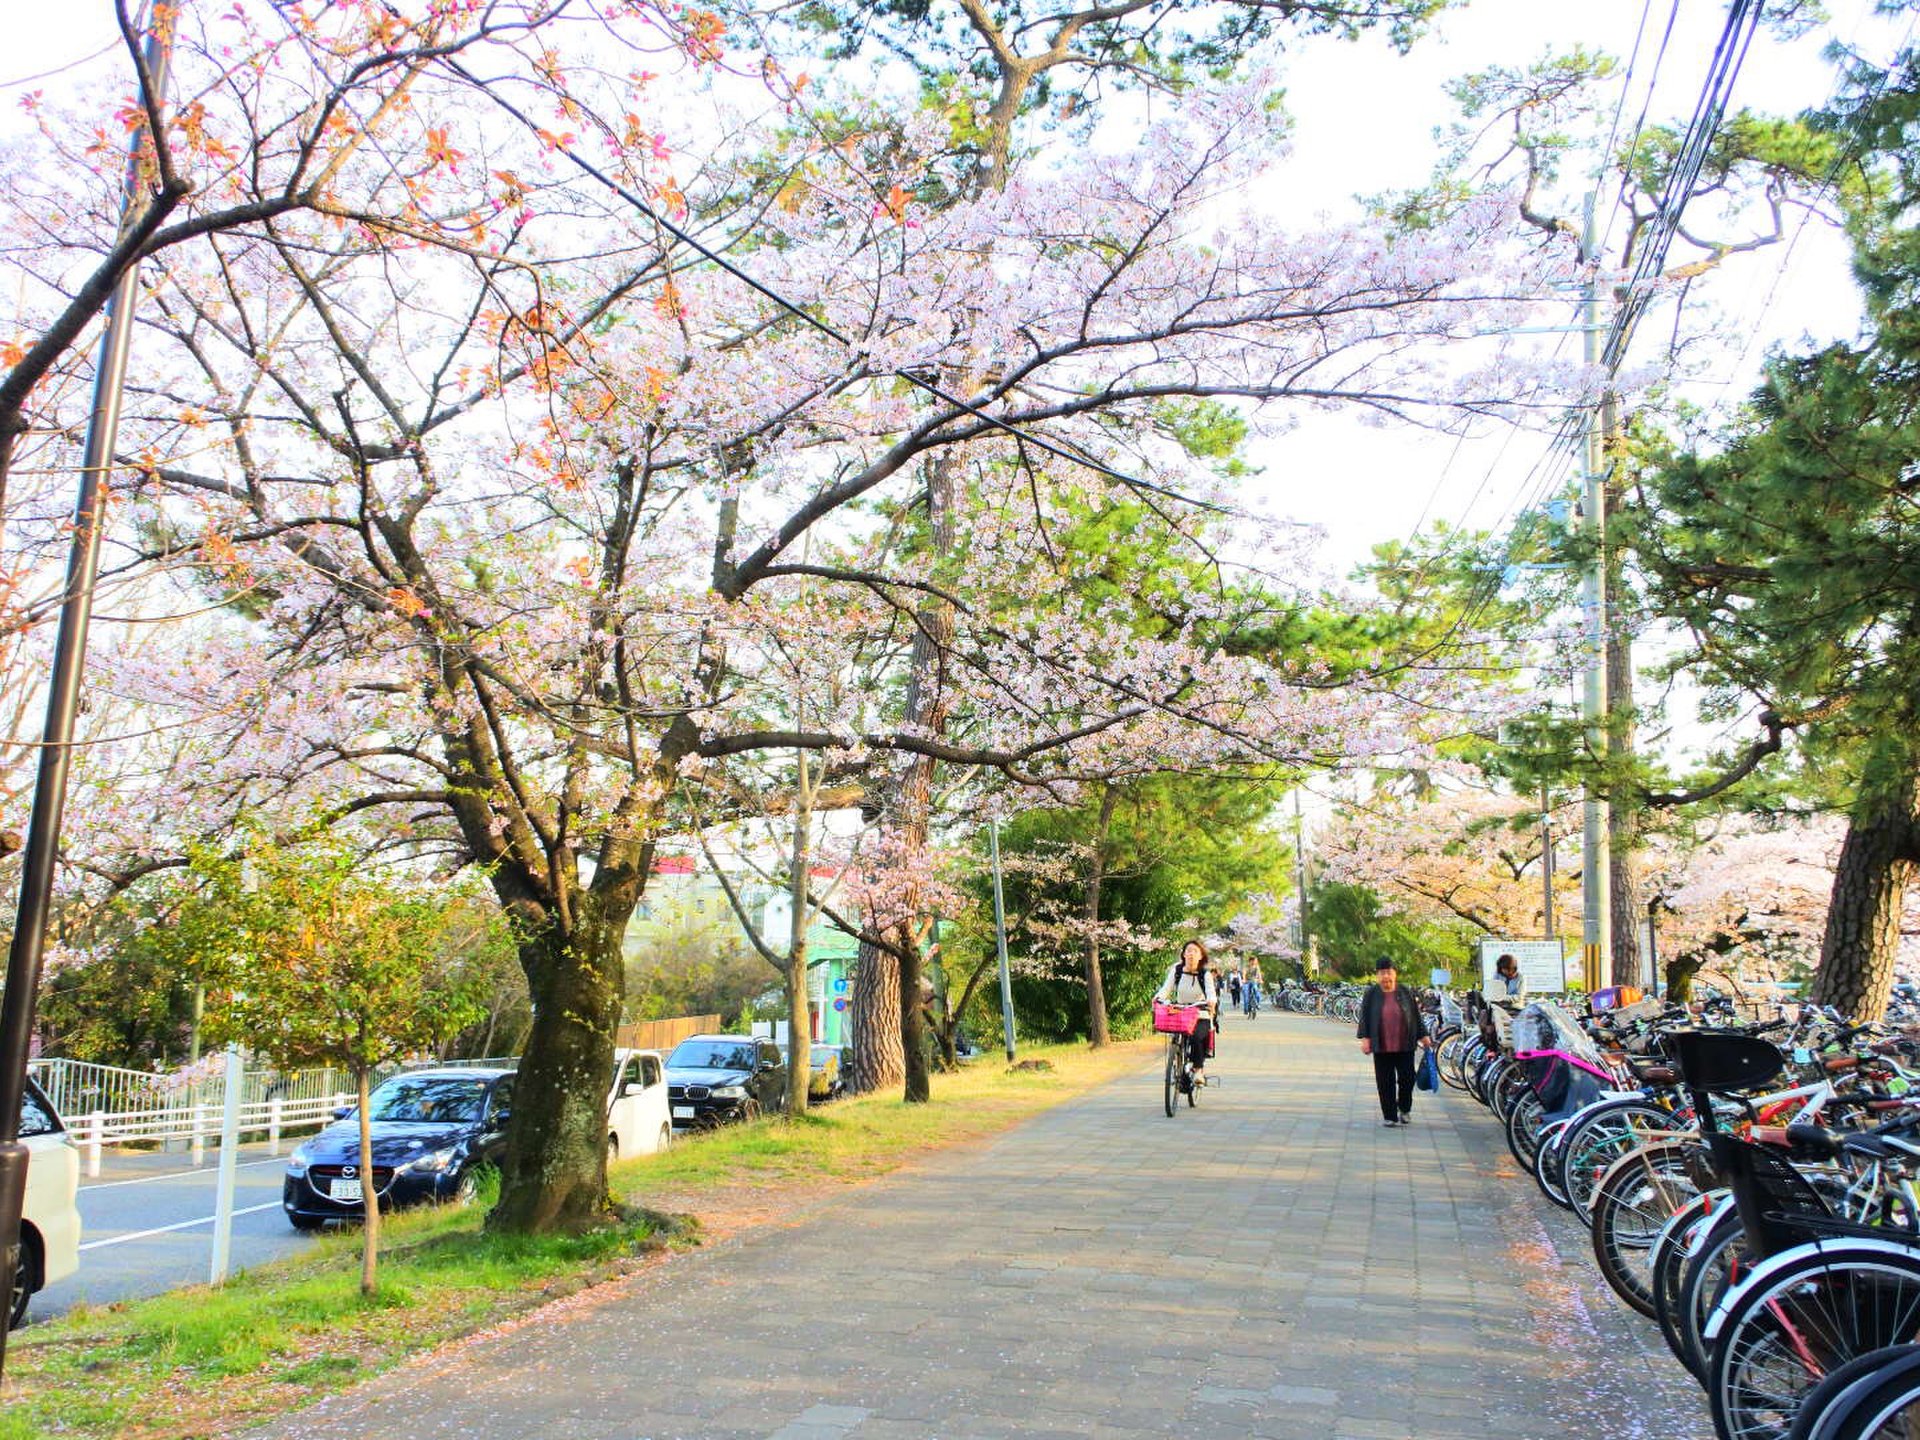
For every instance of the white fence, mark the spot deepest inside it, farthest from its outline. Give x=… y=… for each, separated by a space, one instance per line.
x=103 y=1105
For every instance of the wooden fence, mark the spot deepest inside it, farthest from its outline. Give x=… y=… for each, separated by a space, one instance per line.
x=663 y=1035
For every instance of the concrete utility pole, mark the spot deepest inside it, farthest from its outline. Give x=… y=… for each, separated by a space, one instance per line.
x=1546 y=864
x=1596 y=906
x=1000 y=943
x=1300 y=872
x=63 y=694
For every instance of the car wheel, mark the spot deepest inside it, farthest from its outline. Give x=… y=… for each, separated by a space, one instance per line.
x=750 y=1111
x=305 y=1224
x=22 y=1288
x=666 y=1137
x=464 y=1189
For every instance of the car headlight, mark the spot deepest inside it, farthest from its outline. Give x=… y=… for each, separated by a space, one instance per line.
x=298 y=1161
x=729 y=1092
x=432 y=1163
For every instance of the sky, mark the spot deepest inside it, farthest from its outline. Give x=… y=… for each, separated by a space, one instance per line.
x=1365 y=123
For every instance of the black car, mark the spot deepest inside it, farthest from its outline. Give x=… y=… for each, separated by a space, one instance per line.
x=431 y=1129
x=712 y=1079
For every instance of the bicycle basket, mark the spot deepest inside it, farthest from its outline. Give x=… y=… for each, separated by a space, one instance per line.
x=1779 y=1208
x=1175 y=1019
x=1715 y=1060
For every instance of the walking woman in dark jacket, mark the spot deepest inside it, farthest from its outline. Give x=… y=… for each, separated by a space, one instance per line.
x=1390 y=1031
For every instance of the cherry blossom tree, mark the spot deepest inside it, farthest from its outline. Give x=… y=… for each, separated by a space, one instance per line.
x=513 y=506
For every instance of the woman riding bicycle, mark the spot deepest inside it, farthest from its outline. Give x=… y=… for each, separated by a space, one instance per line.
x=1192 y=982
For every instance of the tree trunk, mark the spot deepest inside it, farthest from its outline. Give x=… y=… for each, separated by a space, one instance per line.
x=889 y=1032
x=1680 y=972
x=1097 y=1032
x=554 y=1175
x=874 y=1011
x=1869 y=887
x=370 y=1199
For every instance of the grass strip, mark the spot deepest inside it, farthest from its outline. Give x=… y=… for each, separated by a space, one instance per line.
x=200 y=1362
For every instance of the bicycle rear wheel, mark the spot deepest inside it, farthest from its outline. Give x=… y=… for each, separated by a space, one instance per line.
x=1631 y=1205
x=1523 y=1129
x=1801 y=1316
x=1874 y=1397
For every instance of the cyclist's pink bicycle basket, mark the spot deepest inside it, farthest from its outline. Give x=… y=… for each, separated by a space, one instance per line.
x=1175 y=1019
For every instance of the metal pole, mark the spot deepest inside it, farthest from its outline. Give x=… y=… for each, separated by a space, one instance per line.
x=1000 y=941
x=229 y=1159
x=1596 y=919
x=63 y=703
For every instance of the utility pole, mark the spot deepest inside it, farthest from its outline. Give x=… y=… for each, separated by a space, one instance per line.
x=1300 y=880
x=63 y=692
x=1546 y=862
x=1596 y=918
x=1000 y=943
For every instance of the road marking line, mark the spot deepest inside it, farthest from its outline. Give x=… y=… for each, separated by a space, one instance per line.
x=208 y=1171
x=182 y=1225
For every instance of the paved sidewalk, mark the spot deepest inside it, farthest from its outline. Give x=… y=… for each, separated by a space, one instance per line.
x=1273 y=1264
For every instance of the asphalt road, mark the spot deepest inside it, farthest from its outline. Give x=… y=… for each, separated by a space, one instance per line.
x=147 y=1226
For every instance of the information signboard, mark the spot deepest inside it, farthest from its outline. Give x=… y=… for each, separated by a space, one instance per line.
x=1543 y=965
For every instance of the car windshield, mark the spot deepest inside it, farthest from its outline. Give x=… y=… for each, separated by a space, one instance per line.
x=429 y=1099
x=712 y=1055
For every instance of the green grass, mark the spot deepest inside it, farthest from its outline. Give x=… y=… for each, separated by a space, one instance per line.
x=203 y=1362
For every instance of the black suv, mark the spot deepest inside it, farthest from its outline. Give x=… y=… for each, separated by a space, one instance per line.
x=712 y=1079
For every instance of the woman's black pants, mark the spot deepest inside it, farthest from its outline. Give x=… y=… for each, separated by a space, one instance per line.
x=1197 y=1044
x=1393 y=1077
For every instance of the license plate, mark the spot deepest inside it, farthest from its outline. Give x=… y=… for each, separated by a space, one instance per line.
x=683 y=1112
x=345 y=1190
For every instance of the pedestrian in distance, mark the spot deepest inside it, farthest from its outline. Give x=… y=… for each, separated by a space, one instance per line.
x=1506 y=975
x=1391 y=1030
x=1191 y=982
x=1233 y=985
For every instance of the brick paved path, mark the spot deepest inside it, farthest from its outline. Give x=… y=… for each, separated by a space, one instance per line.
x=1272 y=1265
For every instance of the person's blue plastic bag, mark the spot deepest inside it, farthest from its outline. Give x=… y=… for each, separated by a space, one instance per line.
x=1428 y=1075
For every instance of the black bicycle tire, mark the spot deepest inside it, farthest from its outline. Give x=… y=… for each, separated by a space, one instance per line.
x=1523 y=1121
x=1611 y=1201
x=1702 y=1286
x=1834 y=1268
x=1669 y=1266
x=1888 y=1384
x=1173 y=1075
x=1581 y=1135
x=1544 y=1161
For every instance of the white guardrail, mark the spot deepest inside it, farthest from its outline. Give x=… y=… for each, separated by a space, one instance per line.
x=103 y=1105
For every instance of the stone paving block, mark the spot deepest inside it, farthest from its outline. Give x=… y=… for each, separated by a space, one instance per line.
x=1347 y=1284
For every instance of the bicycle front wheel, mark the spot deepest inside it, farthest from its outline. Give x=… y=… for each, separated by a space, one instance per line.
x=1174 y=1045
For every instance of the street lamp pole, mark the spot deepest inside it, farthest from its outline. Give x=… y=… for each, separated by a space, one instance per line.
x=63 y=702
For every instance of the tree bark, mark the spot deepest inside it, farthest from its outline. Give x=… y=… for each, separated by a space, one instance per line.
x=1097 y=1032
x=554 y=1175
x=1869 y=886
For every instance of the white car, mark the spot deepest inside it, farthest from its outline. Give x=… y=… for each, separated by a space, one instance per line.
x=50 y=1219
x=638 y=1122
